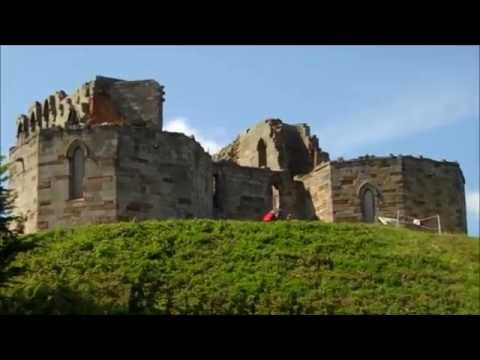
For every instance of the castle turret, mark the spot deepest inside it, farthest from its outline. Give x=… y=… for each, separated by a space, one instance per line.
x=99 y=155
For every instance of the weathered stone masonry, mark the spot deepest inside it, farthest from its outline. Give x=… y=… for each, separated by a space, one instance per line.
x=162 y=175
x=100 y=155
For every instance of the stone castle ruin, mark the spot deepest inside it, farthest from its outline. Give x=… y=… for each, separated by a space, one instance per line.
x=100 y=155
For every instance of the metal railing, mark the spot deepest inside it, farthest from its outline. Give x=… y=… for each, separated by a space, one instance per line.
x=413 y=221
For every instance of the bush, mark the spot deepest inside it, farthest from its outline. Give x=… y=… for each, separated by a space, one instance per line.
x=241 y=267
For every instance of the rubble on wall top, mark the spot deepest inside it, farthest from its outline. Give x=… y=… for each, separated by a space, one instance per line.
x=370 y=157
x=421 y=157
x=279 y=123
x=107 y=78
x=190 y=138
x=273 y=120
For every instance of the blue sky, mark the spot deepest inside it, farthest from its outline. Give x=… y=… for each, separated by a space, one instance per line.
x=357 y=99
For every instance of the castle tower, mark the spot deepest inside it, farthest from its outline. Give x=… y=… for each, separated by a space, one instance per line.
x=100 y=155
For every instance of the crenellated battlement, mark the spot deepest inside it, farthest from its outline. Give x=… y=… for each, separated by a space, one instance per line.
x=57 y=110
x=104 y=101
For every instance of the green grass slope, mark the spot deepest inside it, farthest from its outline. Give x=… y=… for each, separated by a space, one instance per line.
x=241 y=267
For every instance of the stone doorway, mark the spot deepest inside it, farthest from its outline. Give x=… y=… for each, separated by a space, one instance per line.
x=368 y=205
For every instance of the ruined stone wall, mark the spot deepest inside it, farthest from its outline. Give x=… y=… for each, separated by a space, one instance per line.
x=23 y=180
x=299 y=152
x=162 y=175
x=248 y=192
x=292 y=198
x=287 y=147
x=242 y=192
x=315 y=200
x=292 y=142
x=104 y=100
x=98 y=203
x=435 y=187
x=134 y=103
x=247 y=153
x=350 y=177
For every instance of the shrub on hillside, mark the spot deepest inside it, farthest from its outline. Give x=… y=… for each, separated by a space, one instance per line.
x=242 y=267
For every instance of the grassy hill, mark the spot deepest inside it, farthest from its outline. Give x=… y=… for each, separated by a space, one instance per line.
x=239 y=267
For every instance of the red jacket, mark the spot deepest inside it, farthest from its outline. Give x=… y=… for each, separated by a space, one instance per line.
x=269 y=216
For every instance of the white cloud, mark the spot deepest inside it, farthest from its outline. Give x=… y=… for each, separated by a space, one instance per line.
x=473 y=203
x=180 y=125
x=412 y=112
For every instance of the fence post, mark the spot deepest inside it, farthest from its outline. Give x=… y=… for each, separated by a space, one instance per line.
x=439 y=225
x=398 y=218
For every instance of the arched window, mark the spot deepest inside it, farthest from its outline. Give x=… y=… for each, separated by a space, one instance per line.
x=262 y=153
x=77 y=172
x=368 y=196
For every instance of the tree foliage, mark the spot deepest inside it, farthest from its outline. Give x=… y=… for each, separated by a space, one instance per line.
x=7 y=237
x=6 y=199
